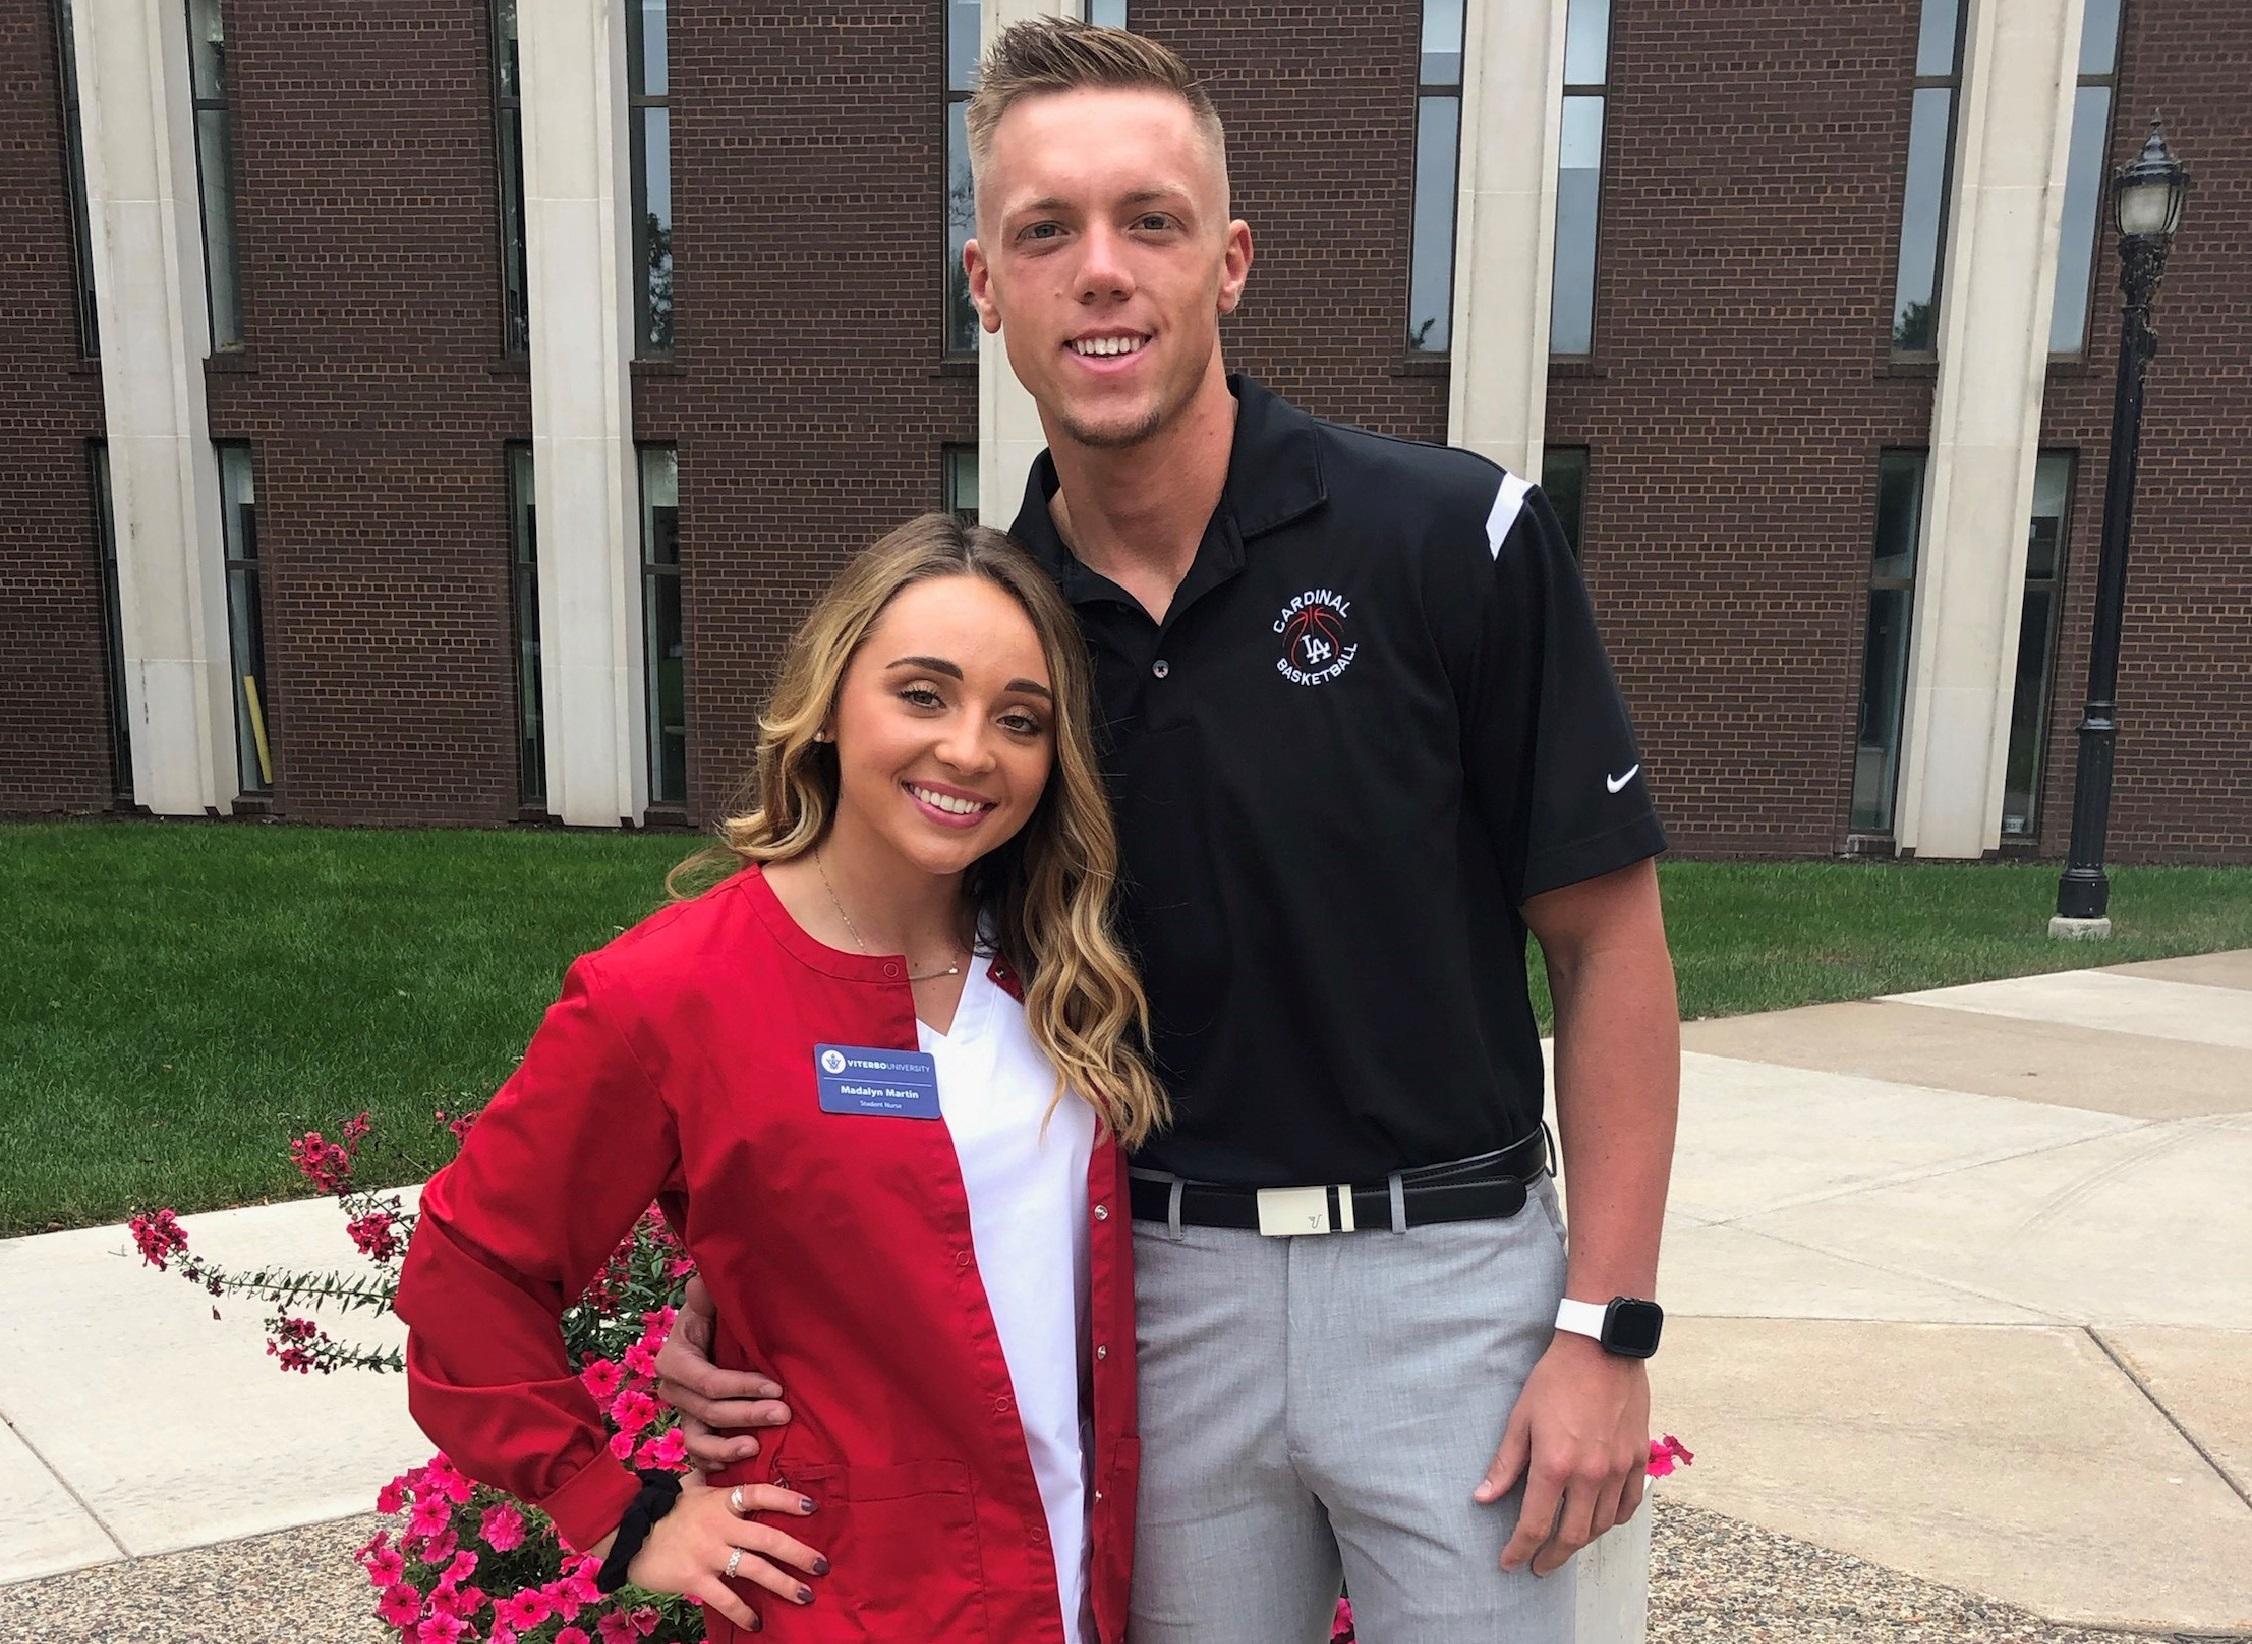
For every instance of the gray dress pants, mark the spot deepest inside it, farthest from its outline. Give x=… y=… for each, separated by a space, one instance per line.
x=1321 y=1407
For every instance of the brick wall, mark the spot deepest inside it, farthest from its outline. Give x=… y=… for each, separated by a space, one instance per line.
x=54 y=692
x=374 y=394
x=2182 y=788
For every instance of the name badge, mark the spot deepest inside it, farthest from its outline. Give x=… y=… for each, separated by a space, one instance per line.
x=891 y=1084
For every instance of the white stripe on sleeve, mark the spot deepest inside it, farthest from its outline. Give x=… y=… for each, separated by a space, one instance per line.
x=1508 y=504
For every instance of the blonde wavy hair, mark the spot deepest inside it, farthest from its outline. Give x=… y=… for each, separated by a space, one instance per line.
x=1046 y=894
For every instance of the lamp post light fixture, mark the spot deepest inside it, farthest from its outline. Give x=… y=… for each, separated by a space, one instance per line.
x=2146 y=207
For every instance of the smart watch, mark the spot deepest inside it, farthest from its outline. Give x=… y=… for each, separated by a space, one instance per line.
x=1624 y=1326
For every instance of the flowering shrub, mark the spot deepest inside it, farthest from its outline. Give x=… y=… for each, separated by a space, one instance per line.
x=465 y=1562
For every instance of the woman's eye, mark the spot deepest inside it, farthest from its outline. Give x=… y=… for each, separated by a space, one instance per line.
x=1022 y=724
x=922 y=696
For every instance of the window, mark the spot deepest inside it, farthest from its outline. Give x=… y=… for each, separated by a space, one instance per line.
x=508 y=117
x=958 y=482
x=1884 y=658
x=965 y=22
x=1579 y=175
x=1438 y=135
x=663 y=653
x=1109 y=14
x=1931 y=167
x=254 y=704
x=2083 y=186
x=1563 y=476
x=89 y=332
x=648 y=82
x=215 y=174
x=113 y=621
x=2036 y=642
x=524 y=593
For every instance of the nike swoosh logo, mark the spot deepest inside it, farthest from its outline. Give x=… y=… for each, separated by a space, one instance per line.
x=1615 y=783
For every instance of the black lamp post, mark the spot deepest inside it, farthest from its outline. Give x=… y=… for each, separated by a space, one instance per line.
x=2146 y=206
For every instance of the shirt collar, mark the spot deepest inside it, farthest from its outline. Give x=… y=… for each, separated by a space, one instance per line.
x=1274 y=477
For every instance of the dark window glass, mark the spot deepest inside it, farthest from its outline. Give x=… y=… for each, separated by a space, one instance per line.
x=1438 y=146
x=246 y=630
x=664 y=650
x=1579 y=176
x=113 y=623
x=508 y=115
x=1931 y=161
x=1884 y=657
x=89 y=327
x=2078 y=234
x=2036 y=643
x=958 y=482
x=214 y=146
x=524 y=590
x=648 y=85
x=1563 y=476
x=965 y=21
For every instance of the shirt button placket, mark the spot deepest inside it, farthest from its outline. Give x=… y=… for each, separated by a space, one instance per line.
x=1161 y=667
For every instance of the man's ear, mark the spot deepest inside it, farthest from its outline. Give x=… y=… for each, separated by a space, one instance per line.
x=1235 y=269
x=981 y=286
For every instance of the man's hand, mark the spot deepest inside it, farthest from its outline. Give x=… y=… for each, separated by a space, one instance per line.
x=1580 y=1437
x=715 y=1405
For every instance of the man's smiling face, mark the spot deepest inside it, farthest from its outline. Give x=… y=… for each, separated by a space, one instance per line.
x=1105 y=257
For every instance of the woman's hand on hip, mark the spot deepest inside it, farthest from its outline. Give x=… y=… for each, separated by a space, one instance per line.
x=706 y=1538
x=715 y=1405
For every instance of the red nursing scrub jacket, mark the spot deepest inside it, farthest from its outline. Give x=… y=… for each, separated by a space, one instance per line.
x=678 y=1064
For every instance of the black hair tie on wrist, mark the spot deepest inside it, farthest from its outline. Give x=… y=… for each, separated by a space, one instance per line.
x=659 y=1490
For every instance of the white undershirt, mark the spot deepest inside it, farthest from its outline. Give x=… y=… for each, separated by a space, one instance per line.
x=1028 y=1220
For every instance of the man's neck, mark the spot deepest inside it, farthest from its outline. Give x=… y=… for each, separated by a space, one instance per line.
x=1136 y=514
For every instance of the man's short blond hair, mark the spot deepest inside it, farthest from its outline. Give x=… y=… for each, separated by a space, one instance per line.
x=1053 y=54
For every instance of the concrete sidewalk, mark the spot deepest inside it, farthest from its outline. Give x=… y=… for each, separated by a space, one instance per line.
x=1961 y=1285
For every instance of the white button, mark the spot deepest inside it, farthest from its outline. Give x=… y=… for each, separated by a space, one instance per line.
x=1102 y=1352
x=1161 y=667
x=1102 y=1213
x=1098 y=1495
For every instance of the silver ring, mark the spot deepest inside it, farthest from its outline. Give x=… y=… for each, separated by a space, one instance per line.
x=735 y=1499
x=734 y=1562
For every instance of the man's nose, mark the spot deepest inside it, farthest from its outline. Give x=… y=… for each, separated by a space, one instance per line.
x=1104 y=270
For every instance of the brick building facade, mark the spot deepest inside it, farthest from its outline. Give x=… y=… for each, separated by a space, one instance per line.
x=1741 y=389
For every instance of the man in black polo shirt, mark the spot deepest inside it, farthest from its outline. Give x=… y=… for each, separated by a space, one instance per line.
x=1363 y=736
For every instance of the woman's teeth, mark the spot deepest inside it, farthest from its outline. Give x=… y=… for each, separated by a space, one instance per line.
x=947 y=802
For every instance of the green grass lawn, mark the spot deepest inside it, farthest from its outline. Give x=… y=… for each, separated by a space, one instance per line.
x=177 y=1000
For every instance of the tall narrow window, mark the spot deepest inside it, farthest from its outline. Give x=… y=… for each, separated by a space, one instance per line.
x=508 y=119
x=2036 y=642
x=1884 y=657
x=246 y=629
x=1438 y=138
x=524 y=593
x=113 y=621
x=958 y=482
x=1931 y=169
x=965 y=22
x=1579 y=175
x=2083 y=183
x=1563 y=476
x=648 y=83
x=89 y=332
x=215 y=169
x=663 y=651
x=1109 y=14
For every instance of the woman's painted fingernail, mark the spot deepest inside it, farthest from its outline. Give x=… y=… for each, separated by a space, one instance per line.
x=820 y=1566
x=805 y=1595
x=805 y=1504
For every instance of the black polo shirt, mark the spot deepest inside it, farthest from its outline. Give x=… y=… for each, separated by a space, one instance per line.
x=1376 y=719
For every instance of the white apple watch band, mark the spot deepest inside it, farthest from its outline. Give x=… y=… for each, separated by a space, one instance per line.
x=1581 y=1318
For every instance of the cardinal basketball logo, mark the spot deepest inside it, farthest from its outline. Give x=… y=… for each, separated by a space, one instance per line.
x=1315 y=649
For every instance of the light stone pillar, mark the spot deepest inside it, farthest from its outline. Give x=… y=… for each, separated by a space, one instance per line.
x=1009 y=435
x=2012 y=145
x=144 y=219
x=578 y=198
x=1505 y=228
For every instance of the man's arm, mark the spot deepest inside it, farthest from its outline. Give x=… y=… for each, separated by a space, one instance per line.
x=1580 y=1433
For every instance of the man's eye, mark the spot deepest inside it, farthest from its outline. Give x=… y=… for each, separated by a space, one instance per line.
x=1042 y=231
x=1156 y=222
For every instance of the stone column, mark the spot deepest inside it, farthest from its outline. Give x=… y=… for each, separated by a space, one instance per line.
x=144 y=218
x=1505 y=228
x=578 y=198
x=2013 y=133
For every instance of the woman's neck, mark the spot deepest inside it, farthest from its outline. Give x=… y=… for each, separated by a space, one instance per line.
x=886 y=903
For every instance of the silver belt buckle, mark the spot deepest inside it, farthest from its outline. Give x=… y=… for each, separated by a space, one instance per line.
x=1289 y=1212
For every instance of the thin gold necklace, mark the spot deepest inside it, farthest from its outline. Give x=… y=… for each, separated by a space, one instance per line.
x=929 y=976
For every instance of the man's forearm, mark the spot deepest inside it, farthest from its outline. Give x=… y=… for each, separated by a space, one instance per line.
x=1618 y=1091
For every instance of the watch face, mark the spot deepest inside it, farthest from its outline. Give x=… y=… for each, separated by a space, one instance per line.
x=1632 y=1327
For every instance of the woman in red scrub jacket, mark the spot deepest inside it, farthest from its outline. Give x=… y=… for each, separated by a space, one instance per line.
x=880 y=1077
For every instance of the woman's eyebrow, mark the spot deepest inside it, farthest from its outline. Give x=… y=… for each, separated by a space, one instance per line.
x=939 y=665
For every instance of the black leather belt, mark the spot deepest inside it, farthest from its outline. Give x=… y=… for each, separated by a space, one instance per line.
x=1490 y=1187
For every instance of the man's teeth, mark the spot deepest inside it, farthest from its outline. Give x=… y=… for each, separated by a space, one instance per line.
x=1103 y=346
x=947 y=802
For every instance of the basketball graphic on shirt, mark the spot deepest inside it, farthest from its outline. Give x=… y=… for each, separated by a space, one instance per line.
x=1316 y=647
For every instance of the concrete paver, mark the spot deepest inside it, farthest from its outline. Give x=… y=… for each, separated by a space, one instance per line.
x=2105 y=999
x=2016 y=1462
x=2213 y=970
x=1728 y=1271
x=2201 y=1378
x=42 y=1529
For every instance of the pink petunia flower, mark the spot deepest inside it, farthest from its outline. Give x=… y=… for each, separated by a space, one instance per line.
x=1664 y=1453
x=621 y=1446
x=641 y=1359
x=449 y=1481
x=442 y=1550
x=399 y=1606
x=633 y=1411
x=385 y=1568
x=573 y=1635
x=525 y=1609
x=615 y=1629
x=668 y=1450
x=645 y=1621
x=430 y=1516
x=440 y=1629
x=392 y=1496
x=464 y=1566
x=502 y=1528
x=603 y=1379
